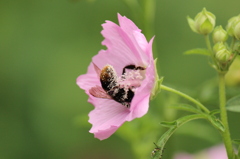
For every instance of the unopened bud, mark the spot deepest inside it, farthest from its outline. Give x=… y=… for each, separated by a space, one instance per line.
x=219 y=34
x=203 y=23
x=231 y=24
x=221 y=52
x=218 y=46
x=236 y=30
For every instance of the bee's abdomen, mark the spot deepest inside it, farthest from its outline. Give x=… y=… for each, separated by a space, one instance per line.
x=108 y=79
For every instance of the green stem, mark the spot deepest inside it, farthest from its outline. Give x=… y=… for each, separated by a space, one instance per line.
x=223 y=112
x=209 y=46
x=208 y=43
x=185 y=96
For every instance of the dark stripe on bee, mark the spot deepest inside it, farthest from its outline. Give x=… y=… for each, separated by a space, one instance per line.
x=132 y=67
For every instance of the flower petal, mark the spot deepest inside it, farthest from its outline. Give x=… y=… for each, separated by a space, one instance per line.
x=127 y=25
x=149 y=50
x=104 y=134
x=89 y=80
x=107 y=117
x=134 y=33
x=217 y=152
x=140 y=102
x=125 y=45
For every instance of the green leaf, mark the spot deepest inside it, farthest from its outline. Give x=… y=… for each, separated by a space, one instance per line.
x=178 y=123
x=234 y=108
x=168 y=124
x=236 y=141
x=187 y=107
x=164 y=138
x=198 y=51
x=233 y=104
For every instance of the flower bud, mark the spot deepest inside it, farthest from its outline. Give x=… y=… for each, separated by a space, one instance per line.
x=223 y=55
x=203 y=23
x=218 y=46
x=221 y=52
x=231 y=24
x=219 y=34
x=236 y=30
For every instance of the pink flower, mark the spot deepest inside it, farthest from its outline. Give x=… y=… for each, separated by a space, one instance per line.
x=216 y=152
x=119 y=80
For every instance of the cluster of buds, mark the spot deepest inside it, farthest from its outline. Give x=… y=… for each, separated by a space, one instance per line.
x=204 y=24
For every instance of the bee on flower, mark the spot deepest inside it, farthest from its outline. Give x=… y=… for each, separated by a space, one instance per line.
x=119 y=80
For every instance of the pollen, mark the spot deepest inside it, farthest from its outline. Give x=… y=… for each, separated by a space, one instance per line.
x=131 y=79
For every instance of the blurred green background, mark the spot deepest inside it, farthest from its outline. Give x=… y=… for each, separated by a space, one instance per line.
x=46 y=44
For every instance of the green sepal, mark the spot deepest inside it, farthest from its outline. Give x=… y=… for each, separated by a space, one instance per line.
x=213 y=112
x=158 y=81
x=191 y=23
x=216 y=122
x=233 y=104
x=199 y=51
x=187 y=108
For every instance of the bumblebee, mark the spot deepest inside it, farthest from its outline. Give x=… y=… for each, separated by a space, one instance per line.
x=111 y=87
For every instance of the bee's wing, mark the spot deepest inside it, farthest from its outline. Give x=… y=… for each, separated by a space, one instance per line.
x=99 y=92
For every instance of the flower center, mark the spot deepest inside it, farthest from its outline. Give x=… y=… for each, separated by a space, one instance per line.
x=130 y=79
x=122 y=88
